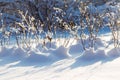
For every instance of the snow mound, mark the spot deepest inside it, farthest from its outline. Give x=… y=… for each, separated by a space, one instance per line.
x=99 y=43
x=115 y=52
x=77 y=48
x=20 y=53
x=91 y=54
x=6 y=51
x=100 y=54
x=41 y=48
x=47 y=47
x=61 y=52
x=38 y=57
x=51 y=45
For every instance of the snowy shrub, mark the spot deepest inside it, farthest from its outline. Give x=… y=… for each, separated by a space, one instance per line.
x=41 y=22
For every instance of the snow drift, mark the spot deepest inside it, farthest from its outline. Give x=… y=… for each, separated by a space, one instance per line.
x=6 y=51
x=115 y=52
x=19 y=53
x=38 y=57
x=76 y=48
x=61 y=53
x=91 y=54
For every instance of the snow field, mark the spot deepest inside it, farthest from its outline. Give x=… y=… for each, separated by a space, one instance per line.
x=57 y=62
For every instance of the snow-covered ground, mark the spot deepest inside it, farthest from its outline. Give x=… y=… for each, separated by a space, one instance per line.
x=61 y=63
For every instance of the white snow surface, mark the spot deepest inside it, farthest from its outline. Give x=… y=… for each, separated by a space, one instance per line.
x=61 y=63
